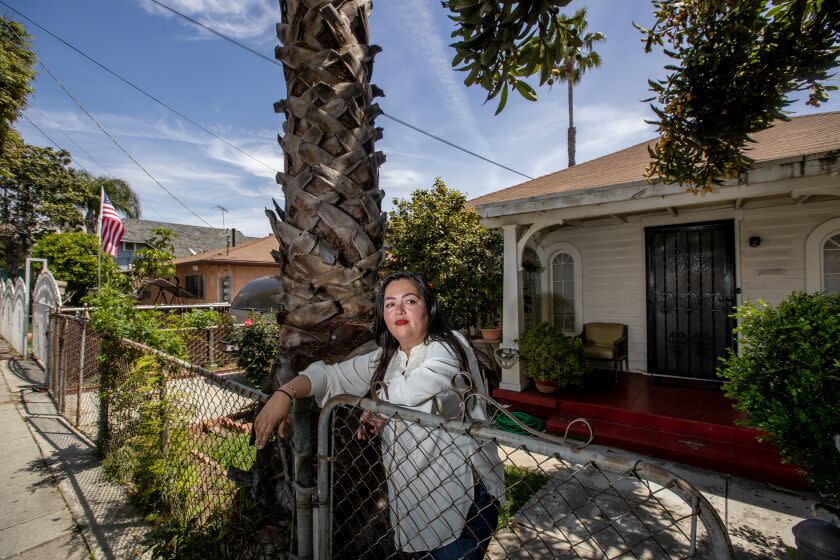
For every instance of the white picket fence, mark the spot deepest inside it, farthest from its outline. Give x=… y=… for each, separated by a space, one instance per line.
x=14 y=326
x=13 y=314
x=46 y=299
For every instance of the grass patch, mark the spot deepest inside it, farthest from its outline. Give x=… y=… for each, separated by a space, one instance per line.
x=233 y=451
x=520 y=485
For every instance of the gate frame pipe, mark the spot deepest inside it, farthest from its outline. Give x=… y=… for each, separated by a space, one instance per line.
x=606 y=458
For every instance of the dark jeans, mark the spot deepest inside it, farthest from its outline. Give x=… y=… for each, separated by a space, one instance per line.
x=481 y=522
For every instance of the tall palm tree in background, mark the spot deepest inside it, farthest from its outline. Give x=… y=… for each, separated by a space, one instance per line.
x=119 y=192
x=579 y=58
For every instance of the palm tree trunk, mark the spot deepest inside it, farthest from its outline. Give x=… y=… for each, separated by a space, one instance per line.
x=330 y=228
x=571 y=140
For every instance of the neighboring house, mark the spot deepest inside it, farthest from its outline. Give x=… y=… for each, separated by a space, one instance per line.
x=601 y=243
x=218 y=275
x=188 y=240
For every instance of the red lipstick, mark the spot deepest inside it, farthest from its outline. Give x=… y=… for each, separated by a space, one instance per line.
x=401 y=322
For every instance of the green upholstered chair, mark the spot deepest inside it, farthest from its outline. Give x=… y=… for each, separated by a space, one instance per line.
x=606 y=341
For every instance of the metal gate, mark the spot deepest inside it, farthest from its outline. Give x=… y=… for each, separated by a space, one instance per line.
x=690 y=294
x=563 y=499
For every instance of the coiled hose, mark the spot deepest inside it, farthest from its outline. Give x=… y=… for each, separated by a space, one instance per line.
x=508 y=425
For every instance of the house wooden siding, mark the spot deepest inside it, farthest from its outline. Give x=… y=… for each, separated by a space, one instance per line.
x=612 y=260
x=599 y=210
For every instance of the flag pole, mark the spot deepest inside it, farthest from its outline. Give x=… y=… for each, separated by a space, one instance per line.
x=99 y=238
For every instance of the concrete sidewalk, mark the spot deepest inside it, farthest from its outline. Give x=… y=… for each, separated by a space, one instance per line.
x=58 y=502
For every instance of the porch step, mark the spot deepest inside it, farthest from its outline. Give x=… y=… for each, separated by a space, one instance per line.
x=756 y=461
x=721 y=447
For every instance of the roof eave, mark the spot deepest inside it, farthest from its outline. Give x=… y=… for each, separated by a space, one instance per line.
x=766 y=171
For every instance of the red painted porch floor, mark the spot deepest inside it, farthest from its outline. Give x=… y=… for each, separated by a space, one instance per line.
x=686 y=421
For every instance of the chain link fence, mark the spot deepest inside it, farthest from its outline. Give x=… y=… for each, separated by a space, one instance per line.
x=397 y=494
x=178 y=436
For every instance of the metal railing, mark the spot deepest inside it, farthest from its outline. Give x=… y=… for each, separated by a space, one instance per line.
x=562 y=500
x=178 y=436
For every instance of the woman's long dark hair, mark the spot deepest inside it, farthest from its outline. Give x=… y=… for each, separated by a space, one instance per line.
x=439 y=328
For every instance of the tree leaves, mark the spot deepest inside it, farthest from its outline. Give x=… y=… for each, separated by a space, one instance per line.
x=739 y=61
x=39 y=194
x=503 y=44
x=435 y=234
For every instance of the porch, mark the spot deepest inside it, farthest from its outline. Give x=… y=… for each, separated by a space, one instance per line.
x=687 y=421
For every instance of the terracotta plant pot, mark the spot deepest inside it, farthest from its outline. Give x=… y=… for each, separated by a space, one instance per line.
x=546 y=386
x=491 y=335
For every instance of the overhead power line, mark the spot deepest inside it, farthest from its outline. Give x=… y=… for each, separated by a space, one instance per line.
x=276 y=63
x=120 y=146
x=255 y=53
x=58 y=128
x=139 y=89
x=438 y=138
x=60 y=147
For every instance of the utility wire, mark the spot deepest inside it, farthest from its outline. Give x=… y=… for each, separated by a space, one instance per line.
x=120 y=146
x=139 y=89
x=251 y=51
x=58 y=146
x=58 y=128
x=439 y=139
x=48 y=137
x=276 y=63
x=217 y=33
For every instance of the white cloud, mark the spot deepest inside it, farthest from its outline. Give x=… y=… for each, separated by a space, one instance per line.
x=601 y=129
x=241 y=19
x=428 y=43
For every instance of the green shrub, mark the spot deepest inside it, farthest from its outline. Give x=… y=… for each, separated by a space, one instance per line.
x=257 y=342
x=786 y=379
x=549 y=355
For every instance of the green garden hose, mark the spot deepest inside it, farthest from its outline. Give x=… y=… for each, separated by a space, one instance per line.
x=508 y=425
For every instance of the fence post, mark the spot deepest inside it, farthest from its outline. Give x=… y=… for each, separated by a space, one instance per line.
x=62 y=368
x=304 y=474
x=211 y=343
x=81 y=375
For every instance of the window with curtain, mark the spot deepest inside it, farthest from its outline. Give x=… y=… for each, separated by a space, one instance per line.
x=831 y=265
x=531 y=272
x=563 y=291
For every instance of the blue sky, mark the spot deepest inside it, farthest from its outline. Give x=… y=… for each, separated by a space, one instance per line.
x=231 y=92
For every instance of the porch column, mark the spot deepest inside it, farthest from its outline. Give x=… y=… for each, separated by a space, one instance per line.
x=512 y=379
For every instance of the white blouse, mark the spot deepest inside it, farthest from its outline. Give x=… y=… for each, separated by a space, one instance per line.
x=430 y=471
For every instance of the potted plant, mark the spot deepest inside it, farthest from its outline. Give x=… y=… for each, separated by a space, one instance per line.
x=492 y=329
x=552 y=359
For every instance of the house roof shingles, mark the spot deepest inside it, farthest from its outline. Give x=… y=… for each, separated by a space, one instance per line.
x=255 y=251
x=188 y=240
x=800 y=136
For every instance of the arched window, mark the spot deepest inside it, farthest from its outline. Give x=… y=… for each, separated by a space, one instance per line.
x=563 y=294
x=822 y=258
x=531 y=273
x=831 y=265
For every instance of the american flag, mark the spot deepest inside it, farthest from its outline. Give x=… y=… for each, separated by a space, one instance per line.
x=111 y=228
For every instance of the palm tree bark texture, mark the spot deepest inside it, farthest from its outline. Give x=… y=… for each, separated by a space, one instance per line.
x=330 y=230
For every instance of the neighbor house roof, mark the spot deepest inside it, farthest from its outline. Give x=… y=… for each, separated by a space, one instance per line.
x=255 y=251
x=800 y=136
x=188 y=240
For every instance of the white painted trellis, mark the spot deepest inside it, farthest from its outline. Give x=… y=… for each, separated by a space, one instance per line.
x=46 y=298
x=13 y=314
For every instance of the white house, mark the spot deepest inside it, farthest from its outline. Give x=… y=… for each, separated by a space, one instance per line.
x=669 y=263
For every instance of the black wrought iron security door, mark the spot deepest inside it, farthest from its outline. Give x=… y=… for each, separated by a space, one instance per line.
x=690 y=294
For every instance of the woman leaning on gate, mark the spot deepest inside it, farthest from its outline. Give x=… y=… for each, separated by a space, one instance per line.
x=444 y=489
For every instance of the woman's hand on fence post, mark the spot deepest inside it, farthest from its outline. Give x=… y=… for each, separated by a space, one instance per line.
x=273 y=415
